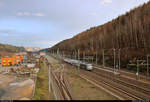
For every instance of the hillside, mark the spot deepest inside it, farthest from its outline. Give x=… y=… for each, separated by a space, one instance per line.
x=44 y=50
x=6 y=50
x=129 y=32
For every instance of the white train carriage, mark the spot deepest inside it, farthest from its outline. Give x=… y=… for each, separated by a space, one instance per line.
x=77 y=63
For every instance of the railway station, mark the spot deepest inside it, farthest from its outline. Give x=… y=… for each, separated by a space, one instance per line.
x=75 y=50
x=119 y=83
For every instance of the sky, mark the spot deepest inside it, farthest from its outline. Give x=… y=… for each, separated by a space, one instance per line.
x=43 y=23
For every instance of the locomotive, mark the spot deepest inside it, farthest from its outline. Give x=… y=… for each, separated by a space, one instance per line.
x=78 y=63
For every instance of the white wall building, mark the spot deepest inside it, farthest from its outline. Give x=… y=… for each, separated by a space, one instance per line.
x=42 y=53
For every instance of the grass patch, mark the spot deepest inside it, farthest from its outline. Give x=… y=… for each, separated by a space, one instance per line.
x=41 y=90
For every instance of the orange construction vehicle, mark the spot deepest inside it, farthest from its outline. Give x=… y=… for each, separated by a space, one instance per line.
x=11 y=61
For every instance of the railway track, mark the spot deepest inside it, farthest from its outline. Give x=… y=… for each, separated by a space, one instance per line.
x=127 y=73
x=121 y=90
x=61 y=84
x=126 y=88
x=138 y=88
x=138 y=91
x=115 y=90
x=135 y=83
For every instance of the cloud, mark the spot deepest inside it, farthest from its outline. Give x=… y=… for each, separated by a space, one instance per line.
x=93 y=14
x=103 y=2
x=23 y=14
x=7 y=31
x=39 y=14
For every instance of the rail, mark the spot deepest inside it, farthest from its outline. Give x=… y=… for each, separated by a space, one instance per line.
x=57 y=83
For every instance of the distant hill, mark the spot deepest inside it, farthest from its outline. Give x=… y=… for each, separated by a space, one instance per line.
x=6 y=50
x=44 y=50
x=32 y=49
x=129 y=32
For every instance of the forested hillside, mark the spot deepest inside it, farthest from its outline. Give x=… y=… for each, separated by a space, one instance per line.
x=129 y=32
x=6 y=50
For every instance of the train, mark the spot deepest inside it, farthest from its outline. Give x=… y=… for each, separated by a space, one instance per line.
x=78 y=63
